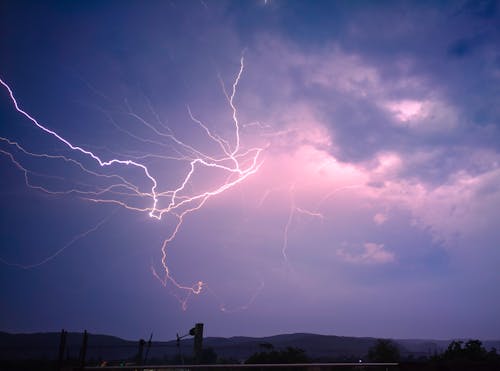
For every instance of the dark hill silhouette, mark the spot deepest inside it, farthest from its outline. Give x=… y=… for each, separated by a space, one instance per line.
x=318 y=347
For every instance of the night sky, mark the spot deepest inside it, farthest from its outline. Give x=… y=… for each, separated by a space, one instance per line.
x=279 y=166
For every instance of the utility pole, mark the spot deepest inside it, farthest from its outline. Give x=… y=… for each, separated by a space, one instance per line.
x=197 y=332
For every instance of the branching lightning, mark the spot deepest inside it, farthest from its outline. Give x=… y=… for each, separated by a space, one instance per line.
x=237 y=162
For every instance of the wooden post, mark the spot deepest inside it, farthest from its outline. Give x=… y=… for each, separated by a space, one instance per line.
x=83 y=349
x=149 y=347
x=140 y=351
x=62 y=347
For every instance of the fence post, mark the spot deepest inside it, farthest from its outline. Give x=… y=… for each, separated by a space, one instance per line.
x=62 y=347
x=141 y=350
x=83 y=350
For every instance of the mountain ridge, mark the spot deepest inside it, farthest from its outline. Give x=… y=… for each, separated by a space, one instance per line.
x=317 y=346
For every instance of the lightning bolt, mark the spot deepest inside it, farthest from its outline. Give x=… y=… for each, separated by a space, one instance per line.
x=293 y=210
x=245 y=306
x=101 y=162
x=236 y=162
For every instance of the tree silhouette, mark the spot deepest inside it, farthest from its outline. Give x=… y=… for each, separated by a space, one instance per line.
x=470 y=356
x=472 y=351
x=384 y=350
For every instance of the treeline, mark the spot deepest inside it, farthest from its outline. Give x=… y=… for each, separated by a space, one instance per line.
x=459 y=356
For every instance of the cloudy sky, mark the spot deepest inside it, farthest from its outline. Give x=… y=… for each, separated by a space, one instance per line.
x=260 y=166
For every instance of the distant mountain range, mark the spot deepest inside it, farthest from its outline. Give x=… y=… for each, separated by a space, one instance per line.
x=317 y=347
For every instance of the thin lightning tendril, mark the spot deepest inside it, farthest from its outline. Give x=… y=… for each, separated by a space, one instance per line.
x=291 y=214
x=237 y=162
x=55 y=254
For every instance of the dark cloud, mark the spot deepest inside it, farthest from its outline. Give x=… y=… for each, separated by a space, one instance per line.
x=480 y=8
x=384 y=116
x=461 y=48
x=415 y=44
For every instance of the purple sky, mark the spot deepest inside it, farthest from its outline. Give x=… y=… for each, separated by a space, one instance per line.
x=348 y=185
